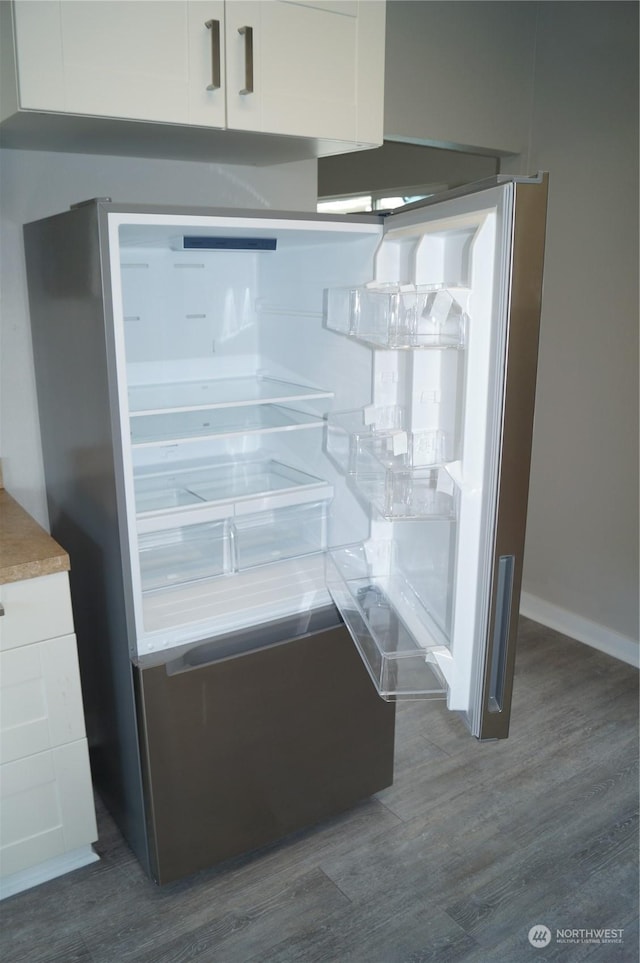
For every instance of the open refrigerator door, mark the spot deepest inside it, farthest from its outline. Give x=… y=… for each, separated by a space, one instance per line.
x=312 y=410
x=428 y=601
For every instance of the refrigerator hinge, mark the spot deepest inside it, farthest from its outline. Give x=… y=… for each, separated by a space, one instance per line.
x=90 y=200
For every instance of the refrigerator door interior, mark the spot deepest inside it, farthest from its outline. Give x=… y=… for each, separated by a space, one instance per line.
x=442 y=453
x=311 y=409
x=426 y=451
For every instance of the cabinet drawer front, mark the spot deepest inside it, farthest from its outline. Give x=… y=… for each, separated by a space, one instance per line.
x=47 y=807
x=40 y=700
x=35 y=609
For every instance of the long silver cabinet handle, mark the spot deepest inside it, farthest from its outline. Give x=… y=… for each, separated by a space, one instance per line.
x=247 y=33
x=214 y=27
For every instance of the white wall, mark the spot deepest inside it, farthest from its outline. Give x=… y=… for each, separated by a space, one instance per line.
x=35 y=184
x=556 y=82
x=582 y=537
x=459 y=73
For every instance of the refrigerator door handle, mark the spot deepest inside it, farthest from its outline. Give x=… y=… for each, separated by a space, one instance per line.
x=214 y=27
x=247 y=33
x=500 y=642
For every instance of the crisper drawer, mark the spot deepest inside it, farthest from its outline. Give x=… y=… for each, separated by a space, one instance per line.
x=183 y=554
x=285 y=533
x=35 y=609
x=193 y=552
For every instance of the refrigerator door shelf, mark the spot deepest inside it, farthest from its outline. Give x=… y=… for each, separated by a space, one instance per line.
x=402 y=646
x=183 y=427
x=222 y=490
x=400 y=316
x=355 y=437
x=149 y=399
x=416 y=493
x=379 y=468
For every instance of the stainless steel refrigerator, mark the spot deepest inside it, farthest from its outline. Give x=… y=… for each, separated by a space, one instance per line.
x=288 y=455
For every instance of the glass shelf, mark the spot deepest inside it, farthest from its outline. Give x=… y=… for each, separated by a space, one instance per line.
x=222 y=393
x=398 y=316
x=182 y=426
x=244 y=485
x=385 y=619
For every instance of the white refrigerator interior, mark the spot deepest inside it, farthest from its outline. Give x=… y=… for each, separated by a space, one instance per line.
x=310 y=410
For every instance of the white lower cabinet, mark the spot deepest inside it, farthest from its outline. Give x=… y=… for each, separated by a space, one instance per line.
x=41 y=703
x=47 y=807
x=47 y=816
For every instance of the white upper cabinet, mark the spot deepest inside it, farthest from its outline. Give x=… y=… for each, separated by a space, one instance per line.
x=310 y=69
x=124 y=59
x=310 y=75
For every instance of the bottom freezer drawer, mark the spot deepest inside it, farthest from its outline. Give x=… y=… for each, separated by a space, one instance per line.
x=243 y=750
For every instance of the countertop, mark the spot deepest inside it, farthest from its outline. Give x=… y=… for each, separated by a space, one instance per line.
x=26 y=550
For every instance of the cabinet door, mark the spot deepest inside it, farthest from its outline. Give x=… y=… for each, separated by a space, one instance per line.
x=298 y=67
x=40 y=700
x=47 y=806
x=38 y=48
x=126 y=59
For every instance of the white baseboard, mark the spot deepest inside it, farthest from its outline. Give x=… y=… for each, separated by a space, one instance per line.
x=584 y=630
x=49 y=869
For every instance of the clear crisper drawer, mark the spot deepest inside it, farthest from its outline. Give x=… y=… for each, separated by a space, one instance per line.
x=400 y=646
x=399 y=316
x=283 y=533
x=183 y=555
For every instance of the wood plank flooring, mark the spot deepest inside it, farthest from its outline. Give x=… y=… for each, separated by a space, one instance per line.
x=472 y=846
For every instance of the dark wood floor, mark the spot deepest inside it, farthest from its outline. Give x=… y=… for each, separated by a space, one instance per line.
x=472 y=846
